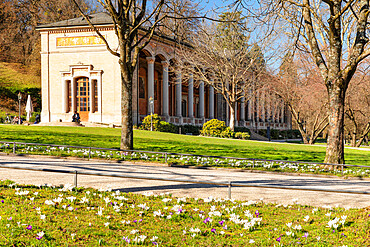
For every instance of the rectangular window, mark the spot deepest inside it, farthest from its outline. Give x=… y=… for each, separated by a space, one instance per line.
x=95 y=86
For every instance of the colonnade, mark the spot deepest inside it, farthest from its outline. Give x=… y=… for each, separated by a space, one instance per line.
x=178 y=92
x=258 y=109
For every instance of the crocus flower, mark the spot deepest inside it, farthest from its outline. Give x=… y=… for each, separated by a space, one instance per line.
x=40 y=235
x=278 y=239
x=213 y=230
x=257 y=213
x=3 y=202
x=221 y=222
x=29 y=227
x=126 y=239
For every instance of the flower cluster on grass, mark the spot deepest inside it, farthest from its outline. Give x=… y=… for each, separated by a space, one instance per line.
x=49 y=215
x=278 y=166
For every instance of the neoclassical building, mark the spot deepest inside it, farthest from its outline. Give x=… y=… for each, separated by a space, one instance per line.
x=79 y=74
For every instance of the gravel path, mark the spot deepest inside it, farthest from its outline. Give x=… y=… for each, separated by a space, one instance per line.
x=280 y=196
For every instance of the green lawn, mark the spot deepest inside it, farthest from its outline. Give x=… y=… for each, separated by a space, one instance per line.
x=157 y=141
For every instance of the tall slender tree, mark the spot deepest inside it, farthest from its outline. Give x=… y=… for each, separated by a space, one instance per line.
x=222 y=57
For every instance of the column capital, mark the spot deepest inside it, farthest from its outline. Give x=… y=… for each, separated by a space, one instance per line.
x=165 y=64
x=150 y=60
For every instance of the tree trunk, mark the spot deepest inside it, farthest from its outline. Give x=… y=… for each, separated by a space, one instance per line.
x=363 y=136
x=335 y=142
x=126 y=109
x=232 y=116
x=353 y=141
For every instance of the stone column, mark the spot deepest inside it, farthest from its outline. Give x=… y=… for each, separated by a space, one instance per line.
x=236 y=114
x=242 y=110
x=100 y=96
x=73 y=95
x=268 y=110
x=191 y=97
x=282 y=112
x=165 y=88
x=219 y=106
x=250 y=106
x=211 y=102
x=91 y=96
x=258 y=106
x=201 y=99
x=150 y=79
x=263 y=107
x=65 y=96
x=178 y=95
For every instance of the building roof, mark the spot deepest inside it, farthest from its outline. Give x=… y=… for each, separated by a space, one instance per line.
x=100 y=18
x=96 y=19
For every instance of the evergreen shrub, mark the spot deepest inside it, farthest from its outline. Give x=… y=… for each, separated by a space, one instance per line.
x=158 y=124
x=213 y=127
x=242 y=135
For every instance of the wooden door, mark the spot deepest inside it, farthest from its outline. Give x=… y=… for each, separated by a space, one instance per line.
x=83 y=98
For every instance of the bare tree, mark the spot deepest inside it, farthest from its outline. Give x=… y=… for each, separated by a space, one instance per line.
x=19 y=40
x=357 y=110
x=303 y=91
x=184 y=24
x=221 y=56
x=135 y=23
x=335 y=33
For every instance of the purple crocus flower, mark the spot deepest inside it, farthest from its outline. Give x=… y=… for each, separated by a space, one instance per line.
x=206 y=220
x=278 y=239
x=38 y=237
x=135 y=221
x=257 y=213
x=3 y=202
x=213 y=230
x=29 y=227
x=140 y=220
x=10 y=218
x=305 y=235
x=221 y=222
x=126 y=239
x=155 y=243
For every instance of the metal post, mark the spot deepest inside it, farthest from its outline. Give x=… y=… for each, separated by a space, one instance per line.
x=342 y=169
x=165 y=157
x=253 y=163
x=13 y=147
x=89 y=153
x=76 y=178
x=19 y=99
x=229 y=190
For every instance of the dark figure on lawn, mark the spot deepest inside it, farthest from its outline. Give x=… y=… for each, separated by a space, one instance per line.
x=37 y=119
x=76 y=117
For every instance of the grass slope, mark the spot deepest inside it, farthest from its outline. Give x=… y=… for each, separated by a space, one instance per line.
x=157 y=141
x=14 y=75
x=16 y=78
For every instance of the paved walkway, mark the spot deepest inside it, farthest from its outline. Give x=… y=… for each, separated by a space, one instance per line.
x=279 y=196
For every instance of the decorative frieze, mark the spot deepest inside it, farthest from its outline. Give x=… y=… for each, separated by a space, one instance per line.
x=79 y=41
